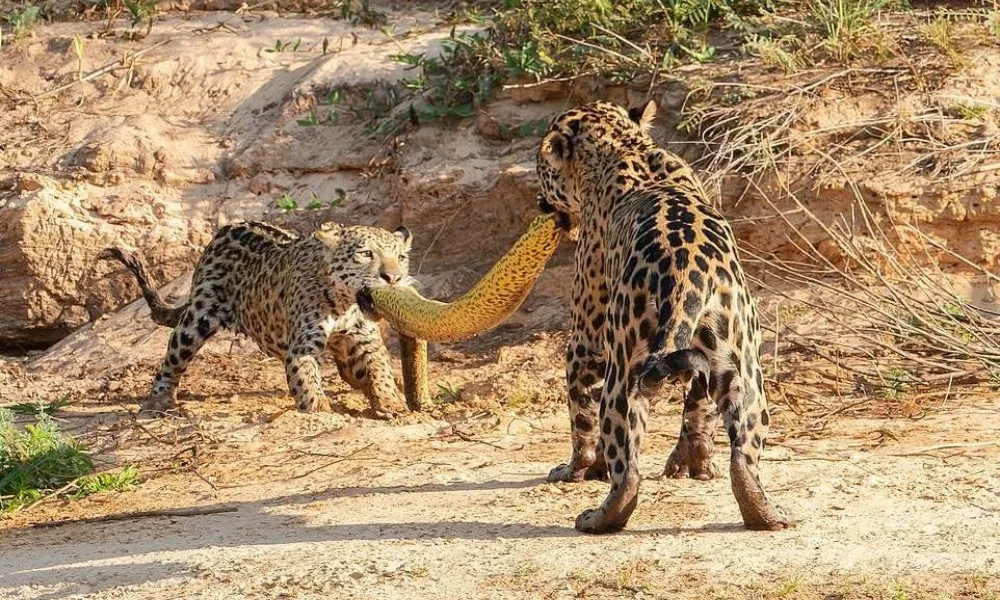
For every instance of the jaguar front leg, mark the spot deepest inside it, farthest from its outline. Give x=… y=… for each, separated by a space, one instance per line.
x=370 y=367
x=692 y=455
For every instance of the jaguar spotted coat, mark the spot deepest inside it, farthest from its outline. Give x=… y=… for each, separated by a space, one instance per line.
x=659 y=295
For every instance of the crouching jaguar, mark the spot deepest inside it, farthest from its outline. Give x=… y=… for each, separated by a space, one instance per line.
x=293 y=296
x=659 y=295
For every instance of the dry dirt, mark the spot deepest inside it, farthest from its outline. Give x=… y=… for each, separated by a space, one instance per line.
x=897 y=495
x=452 y=504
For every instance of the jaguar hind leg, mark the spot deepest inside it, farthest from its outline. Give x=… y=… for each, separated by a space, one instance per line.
x=623 y=414
x=692 y=455
x=746 y=421
x=194 y=329
x=340 y=347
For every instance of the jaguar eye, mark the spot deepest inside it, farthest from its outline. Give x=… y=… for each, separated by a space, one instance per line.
x=403 y=257
x=366 y=254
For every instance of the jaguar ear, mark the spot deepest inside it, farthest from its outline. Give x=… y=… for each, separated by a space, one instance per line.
x=556 y=146
x=404 y=234
x=329 y=232
x=643 y=115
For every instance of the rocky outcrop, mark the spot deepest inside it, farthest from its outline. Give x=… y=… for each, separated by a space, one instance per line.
x=50 y=283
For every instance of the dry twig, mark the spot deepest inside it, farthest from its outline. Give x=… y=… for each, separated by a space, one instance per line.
x=180 y=512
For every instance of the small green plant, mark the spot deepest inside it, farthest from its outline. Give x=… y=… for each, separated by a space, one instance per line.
x=122 y=481
x=783 y=52
x=940 y=33
x=452 y=84
x=334 y=97
x=112 y=10
x=375 y=111
x=521 y=398
x=314 y=202
x=955 y=309
x=894 y=381
x=621 y=40
x=417 y=570
x=786 y=589
x=525 y=60
x=972 y=112
x=286 y=202
x=993 y=21
x=22 y=20
x=982 y=586
x=39 y=460
x=35 y=460
x=899 y=592
x=309 y=120
x=78 y=48
x=995 y=377
x=527 y=570
x=530 y=128
x=140 y=11
x=634 y=575
x=447 y=394
x=360 y=12
x=280 y=46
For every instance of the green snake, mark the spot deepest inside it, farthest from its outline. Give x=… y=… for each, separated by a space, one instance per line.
x=489 y=302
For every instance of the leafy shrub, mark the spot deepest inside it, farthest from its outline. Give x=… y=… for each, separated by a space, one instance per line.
x=21 y=20
x=536 y=39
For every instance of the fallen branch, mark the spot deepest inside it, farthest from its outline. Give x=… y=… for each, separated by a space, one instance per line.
x=939 y=447
x=351 y=456
x=468 y=438
x=180 y=512
x=121 y=63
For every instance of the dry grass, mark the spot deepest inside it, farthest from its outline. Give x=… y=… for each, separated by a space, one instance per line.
x=896 y=320
x=877 y=306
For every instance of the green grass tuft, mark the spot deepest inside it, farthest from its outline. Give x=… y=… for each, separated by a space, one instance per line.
x=448 y=393
x=38 y=459
x=847 y=24
x=121 y=481
x=31 y=409
x=784 y=52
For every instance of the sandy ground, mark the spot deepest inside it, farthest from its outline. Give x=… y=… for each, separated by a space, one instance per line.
x=453 y=504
